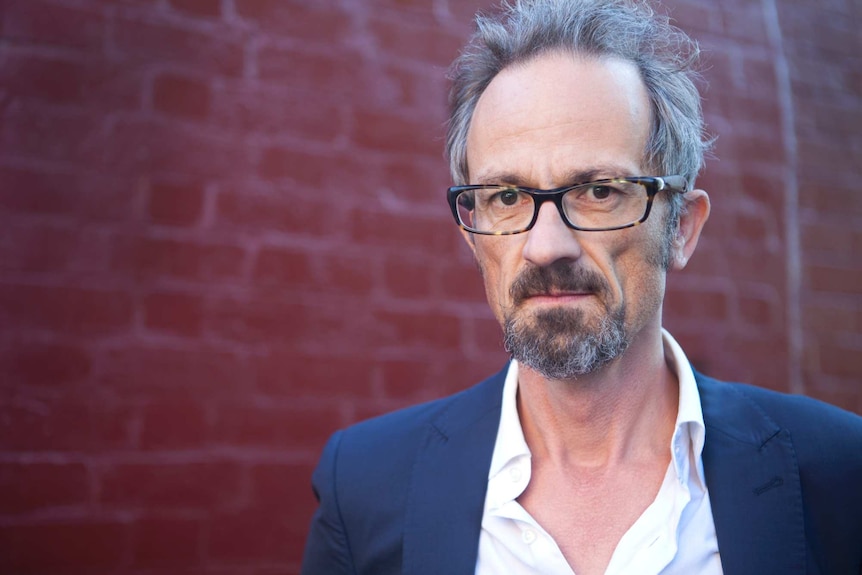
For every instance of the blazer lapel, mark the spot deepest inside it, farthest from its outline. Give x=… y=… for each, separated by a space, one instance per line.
x=448 y=485
x=754 y=486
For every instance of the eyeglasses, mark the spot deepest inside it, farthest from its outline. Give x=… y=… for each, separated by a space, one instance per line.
x=599 y=206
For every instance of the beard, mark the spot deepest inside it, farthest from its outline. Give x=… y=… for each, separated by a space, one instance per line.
x=561 y=343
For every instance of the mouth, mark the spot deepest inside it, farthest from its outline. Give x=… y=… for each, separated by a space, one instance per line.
x=556 y=284
x=558 y=297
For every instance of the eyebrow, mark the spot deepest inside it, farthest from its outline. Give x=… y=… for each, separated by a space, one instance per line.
x=571 y=177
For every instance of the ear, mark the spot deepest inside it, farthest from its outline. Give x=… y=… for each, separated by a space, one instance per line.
x=691 y=222
x=470 y=239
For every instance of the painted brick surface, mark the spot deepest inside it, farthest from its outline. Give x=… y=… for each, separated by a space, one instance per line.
x=223 y=235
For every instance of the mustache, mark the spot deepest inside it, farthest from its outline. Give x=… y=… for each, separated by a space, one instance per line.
x=558 y=277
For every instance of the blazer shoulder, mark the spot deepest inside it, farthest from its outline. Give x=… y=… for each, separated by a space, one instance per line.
x=384 y=448
x=363 y=479
x=819 y=430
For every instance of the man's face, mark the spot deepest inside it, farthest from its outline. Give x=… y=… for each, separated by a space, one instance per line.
x=569 y=301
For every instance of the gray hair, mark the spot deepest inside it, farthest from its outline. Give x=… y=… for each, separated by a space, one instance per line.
x=626 y=29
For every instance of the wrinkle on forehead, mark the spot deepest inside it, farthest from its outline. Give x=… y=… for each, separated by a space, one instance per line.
x=555 y=106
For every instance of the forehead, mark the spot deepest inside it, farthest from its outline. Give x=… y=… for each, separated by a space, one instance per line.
x=559 y=114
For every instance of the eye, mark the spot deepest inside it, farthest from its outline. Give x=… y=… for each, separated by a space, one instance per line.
x=508 y=197
x=601 y=192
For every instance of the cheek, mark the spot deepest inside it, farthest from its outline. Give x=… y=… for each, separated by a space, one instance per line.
x=634 y=273
x=498 y=261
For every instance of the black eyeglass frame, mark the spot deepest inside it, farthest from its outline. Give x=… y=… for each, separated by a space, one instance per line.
x=652 y=185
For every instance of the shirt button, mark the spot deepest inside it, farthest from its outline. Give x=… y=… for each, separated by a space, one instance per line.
x=528 y=536
x=515 y=474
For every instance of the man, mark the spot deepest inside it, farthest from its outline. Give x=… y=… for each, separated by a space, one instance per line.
x=576 y=137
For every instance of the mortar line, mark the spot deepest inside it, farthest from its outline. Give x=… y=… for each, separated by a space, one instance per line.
x=793 y=262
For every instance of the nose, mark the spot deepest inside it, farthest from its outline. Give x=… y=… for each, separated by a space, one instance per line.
x=551 y=239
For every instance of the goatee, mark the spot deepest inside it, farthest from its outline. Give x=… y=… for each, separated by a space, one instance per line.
x=560 y=342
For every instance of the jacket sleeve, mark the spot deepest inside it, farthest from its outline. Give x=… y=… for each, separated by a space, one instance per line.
x=327 y=551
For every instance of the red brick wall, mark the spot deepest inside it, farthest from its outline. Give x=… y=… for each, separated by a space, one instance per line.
x=223 y=235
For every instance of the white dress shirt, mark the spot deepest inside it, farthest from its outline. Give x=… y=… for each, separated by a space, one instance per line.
x=675 y=535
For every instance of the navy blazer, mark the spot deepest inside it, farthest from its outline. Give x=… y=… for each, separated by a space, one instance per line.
x=404 y=493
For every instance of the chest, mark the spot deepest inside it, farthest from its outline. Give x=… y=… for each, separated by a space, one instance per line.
x=588 y=514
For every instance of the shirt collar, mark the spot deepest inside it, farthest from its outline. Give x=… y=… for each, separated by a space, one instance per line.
x=688 y=436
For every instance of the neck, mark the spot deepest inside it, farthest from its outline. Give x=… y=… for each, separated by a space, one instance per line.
x=625 y=411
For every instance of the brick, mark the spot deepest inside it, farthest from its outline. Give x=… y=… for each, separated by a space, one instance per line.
x=763 y=312
x=286 y=373
x=280 y=112
x=431 y=330
x=27 y=191
x=406 y=86
x=283 y=212
x=31 y=132
x=69 y=547
x=823 y=156
x=407 y=380
x=749 y=353
x=833 y=279
x=32 y=487
x=192 y=370
x=206 y=8
x=172 y=424
x=87 y=197
x=186 y=485
x=274 y=266
x=318 y=22
x=162 y=147
x=285 y=488
x=300 y=167
x=217 y=52
x=289 y=427
x=406 y=231
x=174 y=204
x=65 y=310
x=463 y=11
x=144 y=257
x=95 y=84
x=840 y=360
x=486 y=335
x=181 y=96
x=45 y=364
x=162 y=543
x=831 y=318
x=744 y=24
x=408 y=278
x=462 y=282
x=36 y=248
x=419 y=185
x=279 y=320
x=57 y=81
x=695 y=17
x=700 y=306
x=760 y=80
x=60 y=425
x=173 y=312
x=412 y=40
x=39 y=22
x=756 y=227
x=387 y=132
x=347 y=274
x=255 y=536
x=823 y=237
x=825 y=196
x=458 y=374
x=326 y=74
x=750 y=263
